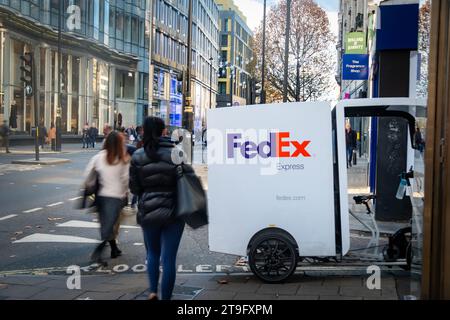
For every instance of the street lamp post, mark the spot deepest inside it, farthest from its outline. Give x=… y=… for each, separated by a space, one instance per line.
x=210 y=81
x=263 y=66
x=188 y=109
x=232 y=75
x=286 y=51
x=58 y=109
x=297 y=84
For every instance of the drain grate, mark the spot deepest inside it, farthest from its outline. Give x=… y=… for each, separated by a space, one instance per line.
x=179 y=293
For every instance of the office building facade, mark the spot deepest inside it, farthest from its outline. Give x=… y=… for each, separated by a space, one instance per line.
x=105 y=62
x=235 y=55
x=169 y=59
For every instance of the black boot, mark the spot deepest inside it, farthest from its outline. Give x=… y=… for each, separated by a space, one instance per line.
x=115 y=252
x=96 y=256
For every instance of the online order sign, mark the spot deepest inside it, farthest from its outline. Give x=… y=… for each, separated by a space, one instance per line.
x=271 y=166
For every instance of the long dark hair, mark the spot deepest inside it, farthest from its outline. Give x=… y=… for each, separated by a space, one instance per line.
x=153 y=129
x=115 y=148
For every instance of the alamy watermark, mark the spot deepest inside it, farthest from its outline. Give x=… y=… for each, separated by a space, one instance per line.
x=74 y=280
x=373 y=282
x=74 y=19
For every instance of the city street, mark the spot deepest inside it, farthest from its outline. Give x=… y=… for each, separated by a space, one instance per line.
x=40 y=228
x=316 y=132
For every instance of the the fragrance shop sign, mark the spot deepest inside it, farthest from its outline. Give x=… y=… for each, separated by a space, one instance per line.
x=355 y=67
x=355 y=43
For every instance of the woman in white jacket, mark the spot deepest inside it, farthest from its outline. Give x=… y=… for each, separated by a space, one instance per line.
x=112 y=168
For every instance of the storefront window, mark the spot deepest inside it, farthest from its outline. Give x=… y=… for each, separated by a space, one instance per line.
x=17 y=107
x=143 y=91
x=75 y=74
x=158 y=83
x=74 y=118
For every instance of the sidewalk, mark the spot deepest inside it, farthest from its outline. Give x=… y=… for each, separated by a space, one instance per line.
x=309 y=286
x=66 y=149
x=357 y=185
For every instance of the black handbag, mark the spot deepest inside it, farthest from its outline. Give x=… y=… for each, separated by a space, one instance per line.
x=89 y=192
x=191 y=205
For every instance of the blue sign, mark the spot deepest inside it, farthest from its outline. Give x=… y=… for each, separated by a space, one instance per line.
x=399 y=27
x=355 y=67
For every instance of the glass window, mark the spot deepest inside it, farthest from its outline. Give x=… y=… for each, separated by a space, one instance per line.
x=119 y=25
x=75 y=75
x=106 y=22
x=143 y=92
x=54 y=11
x=222 y=88
x=97 y=21
x=127 y=29
x=134 y=31
x=125 y=84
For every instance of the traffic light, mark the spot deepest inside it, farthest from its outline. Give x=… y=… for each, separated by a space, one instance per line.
x=180 y=83
x=27 y=73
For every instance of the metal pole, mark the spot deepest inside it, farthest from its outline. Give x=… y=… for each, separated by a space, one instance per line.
x=210 y=82
x=188 y=111
x=297 y=85
x=36 y=61
x=263 y=67
x=286 y=51
x=59 y=109
x=232 y=70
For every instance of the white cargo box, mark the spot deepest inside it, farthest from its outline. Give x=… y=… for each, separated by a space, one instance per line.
x=271 y=166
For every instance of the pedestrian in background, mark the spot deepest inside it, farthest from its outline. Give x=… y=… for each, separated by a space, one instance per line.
x=139 y=137
x=85 y=136
x=131 y=149
x=5 y=133
x=153 y=180
x=93 y=134
x=112 y=168
x=350 y=142
x=43 y=135
x=52 y=136
x=106 y=130
x=418 y=140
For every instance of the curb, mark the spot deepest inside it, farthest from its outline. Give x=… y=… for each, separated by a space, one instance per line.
x=42 y=161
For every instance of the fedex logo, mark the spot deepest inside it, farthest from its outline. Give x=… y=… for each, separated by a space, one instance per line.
x=278 y=146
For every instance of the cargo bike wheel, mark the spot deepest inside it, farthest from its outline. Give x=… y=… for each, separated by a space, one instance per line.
x=273 y=256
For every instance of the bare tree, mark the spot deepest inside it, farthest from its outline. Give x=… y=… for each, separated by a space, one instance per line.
x=311 y=60
x=424 y=47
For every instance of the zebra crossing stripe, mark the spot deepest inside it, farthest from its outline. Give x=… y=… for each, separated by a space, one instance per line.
x=8 y=217
x=55 y=204
x=88 y=224
x=32 y=210
x=43 y=237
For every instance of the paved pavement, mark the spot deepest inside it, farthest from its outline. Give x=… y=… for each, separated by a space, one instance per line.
x=305 y=286
x=41 y=229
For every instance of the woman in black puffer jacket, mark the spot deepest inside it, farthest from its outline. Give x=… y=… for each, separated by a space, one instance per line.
x=153 y=180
